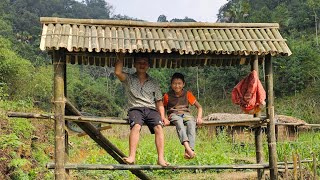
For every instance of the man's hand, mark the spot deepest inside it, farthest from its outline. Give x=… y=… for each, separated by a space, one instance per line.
x=119 y=66
x=165 y=121
x=120 y=56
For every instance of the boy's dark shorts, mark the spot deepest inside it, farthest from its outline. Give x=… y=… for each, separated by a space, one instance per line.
x=142 y=115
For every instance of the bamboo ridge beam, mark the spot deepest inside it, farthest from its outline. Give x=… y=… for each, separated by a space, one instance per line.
x=154 y=24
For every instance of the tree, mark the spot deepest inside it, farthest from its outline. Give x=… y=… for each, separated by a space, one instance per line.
x=162 y=18
x=186 y=19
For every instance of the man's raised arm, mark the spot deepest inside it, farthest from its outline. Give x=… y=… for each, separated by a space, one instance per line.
x=119 y=66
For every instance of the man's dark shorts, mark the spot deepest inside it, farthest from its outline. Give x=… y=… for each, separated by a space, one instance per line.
x=142 y=115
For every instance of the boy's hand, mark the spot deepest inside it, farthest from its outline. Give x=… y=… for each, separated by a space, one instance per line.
x=199 y=120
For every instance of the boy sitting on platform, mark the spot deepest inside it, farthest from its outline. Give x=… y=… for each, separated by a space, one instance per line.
x=176 y=102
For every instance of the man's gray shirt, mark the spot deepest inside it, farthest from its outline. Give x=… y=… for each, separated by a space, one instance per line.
x=142 y=95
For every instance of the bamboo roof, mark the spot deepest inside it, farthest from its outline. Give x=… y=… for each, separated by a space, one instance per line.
x=170 y=44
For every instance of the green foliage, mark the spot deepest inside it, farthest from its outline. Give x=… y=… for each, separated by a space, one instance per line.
x=42 y=86
x=10 y=141
x=14 y=71
x=95 y=95
x=302 y=71
x=21 y=127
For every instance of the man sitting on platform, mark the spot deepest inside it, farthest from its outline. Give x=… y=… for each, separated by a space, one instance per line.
x=145 y=105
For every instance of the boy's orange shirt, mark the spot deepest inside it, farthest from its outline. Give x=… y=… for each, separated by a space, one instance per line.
x=191 y=98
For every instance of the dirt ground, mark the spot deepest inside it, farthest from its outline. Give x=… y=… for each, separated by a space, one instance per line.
x=250 y=175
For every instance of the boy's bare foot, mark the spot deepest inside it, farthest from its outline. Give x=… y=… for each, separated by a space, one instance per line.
x=163 y=163
x=128 y=160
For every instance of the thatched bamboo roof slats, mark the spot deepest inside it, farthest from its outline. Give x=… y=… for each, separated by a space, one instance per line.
x=105 y=37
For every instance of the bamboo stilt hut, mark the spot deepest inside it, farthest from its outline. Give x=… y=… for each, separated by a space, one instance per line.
x=94 y=42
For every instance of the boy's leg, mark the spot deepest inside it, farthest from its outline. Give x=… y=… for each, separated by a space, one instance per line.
x=191 y=132
x=159 y=140
x=180 y=128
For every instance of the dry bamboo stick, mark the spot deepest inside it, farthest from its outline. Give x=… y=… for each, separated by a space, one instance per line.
x=30 y=115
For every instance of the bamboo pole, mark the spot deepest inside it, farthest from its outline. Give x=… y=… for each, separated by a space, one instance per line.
x=295 y=172
x=286 y=173
x=300 y=167
x=59 y=106
x=99 y=129
x=170 y=167
x=157 y=167
x=258 y=129
x=270 y=115
x=30 y=115
x=315 y=177
x=116 y=120
x=103 y=141
x=65 y=123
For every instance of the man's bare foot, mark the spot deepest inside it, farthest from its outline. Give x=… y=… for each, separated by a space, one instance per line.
x=163 y=163
x=128 y=160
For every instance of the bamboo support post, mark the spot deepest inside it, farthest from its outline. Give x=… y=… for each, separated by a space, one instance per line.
x=258 y=129
x=270 y=115
x=59 y=106
x=65 y=122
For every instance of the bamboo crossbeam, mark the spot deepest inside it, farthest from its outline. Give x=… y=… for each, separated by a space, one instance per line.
x=115 y=120
x=156 y=167
x=107 y=120
x=171 y=167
